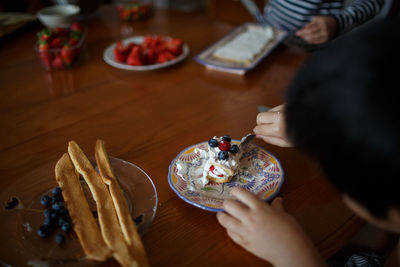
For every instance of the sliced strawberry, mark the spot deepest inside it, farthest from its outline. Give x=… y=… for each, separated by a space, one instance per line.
x=120 y=57
x=135 y=57
x=150 y=56
x=161 y=58
x=175 y=46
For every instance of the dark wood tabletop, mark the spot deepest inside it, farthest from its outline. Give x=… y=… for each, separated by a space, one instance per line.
x=147 y=118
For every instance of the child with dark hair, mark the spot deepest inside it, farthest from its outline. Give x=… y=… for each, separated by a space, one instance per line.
x=342 y=110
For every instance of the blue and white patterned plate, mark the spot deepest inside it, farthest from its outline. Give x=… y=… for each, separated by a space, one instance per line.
x=260 y=172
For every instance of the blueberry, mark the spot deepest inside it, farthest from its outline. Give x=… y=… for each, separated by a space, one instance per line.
x=12 y=203
x=65 y=227
x=43 y=231
x=226 y=138
x=223 y=155
x=213 y=142
x=56 y=198
x=61 y=221
x=63 y=213
x=53 y=214
x=58 y=206
x=234 y=149
x=60 y=238
x=45 y=200
x=56 y=191
x=48 y=222
x=47 y=213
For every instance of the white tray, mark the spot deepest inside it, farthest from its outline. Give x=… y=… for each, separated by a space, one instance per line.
x=207 y=58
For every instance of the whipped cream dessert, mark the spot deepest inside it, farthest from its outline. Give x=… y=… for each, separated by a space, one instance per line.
x=221 y=159
x=218 y=161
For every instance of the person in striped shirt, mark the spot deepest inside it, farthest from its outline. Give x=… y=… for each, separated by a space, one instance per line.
x=317 y=21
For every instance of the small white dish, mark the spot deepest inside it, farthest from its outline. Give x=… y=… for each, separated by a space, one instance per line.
x=58 y=15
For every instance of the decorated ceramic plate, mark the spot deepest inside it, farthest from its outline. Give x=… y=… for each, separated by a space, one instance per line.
x=260 y=172
x=109 y=57
x=21 y=214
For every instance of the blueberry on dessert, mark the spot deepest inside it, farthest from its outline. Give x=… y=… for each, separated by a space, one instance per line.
x=234 y=149
x=223 y=155
x=226 y=138
x=213 y=142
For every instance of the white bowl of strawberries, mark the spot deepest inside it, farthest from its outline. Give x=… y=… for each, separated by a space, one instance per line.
x=146 y=52
x=60 y=48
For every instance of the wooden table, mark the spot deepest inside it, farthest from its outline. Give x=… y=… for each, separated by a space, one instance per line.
x=147 y=118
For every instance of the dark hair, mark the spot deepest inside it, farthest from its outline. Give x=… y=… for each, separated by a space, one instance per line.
x=343 y=109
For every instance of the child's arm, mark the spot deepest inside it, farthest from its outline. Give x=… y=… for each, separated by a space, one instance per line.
x=267 y=231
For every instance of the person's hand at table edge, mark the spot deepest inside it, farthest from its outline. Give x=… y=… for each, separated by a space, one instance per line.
x=271 y=127
x=267 y=231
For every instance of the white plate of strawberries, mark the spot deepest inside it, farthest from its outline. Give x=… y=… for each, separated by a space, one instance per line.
x=148 y=52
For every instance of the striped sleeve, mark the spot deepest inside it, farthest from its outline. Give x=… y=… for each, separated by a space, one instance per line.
x=357 y=13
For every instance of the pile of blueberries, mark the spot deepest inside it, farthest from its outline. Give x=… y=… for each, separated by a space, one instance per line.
x=55 y=215
x=225 y=146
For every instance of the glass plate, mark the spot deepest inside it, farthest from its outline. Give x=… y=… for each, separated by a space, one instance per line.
x=109 y=57
x=260 y=172
x=21 y=214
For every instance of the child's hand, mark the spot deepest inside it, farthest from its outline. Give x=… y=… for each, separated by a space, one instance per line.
x=319 y=30
x=267 y=230
x=271 y=127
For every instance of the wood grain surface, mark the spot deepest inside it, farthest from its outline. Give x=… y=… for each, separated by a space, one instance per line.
x=147 y=118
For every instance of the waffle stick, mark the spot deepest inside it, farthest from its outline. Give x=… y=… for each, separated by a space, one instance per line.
x=109 y=224
x=128 y=227
x=84 y=224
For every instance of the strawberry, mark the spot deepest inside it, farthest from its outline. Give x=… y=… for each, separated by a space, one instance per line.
x=75 y=35
x=175 y=46
x=43 y=45
x=73 y=42
x=61 y=31
x=45 y=56
x=164 y=57
x=161 y=58
x=135 y=57
x=224 y=145
x=44 y=35
x=122 y=51
x=58 y=63
x=76 y=27
x=56 y=43
x=150 y=56
x=68 y=54
x=44 y=53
